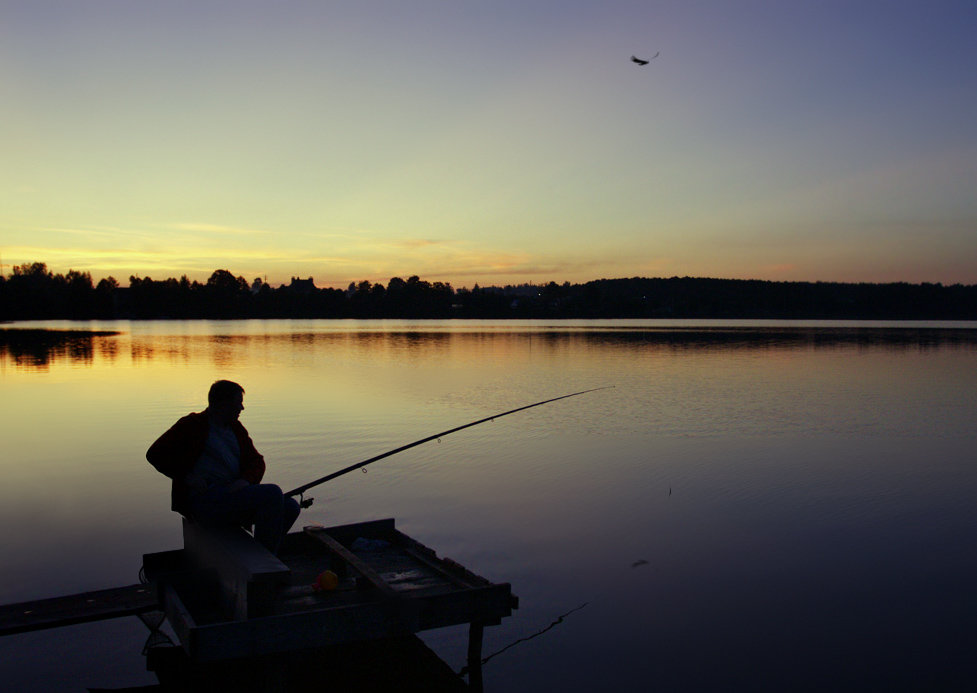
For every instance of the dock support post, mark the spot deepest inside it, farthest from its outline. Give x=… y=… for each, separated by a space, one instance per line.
x=475 y=656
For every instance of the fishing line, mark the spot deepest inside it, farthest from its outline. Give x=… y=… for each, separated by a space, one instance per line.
x=559 y=619
x=639 y=563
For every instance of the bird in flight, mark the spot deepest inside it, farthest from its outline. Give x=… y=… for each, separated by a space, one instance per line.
x=639 y=61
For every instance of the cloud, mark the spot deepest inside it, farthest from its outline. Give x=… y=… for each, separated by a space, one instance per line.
x=94 y=233
x=422 y=243
x=213 y=228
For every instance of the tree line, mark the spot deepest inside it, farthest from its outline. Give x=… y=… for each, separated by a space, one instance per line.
x=33 y=292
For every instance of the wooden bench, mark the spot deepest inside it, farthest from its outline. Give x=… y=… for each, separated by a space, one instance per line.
x=249 y=576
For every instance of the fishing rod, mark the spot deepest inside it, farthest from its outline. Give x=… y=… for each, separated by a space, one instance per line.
x=306 y=502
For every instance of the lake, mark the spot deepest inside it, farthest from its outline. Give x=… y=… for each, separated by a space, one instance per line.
x=755 y=506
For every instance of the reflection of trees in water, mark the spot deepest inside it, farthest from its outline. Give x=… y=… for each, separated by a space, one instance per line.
x=108 y=349
x=175 y=350
x=894 y=338
x=37 y=349
x=221 y=350
x=141 y=351
x=557 y=338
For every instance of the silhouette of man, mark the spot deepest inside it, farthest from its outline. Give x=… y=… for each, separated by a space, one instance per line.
x=217 y=471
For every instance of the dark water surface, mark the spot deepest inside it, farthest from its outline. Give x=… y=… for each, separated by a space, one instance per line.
x=760 y=506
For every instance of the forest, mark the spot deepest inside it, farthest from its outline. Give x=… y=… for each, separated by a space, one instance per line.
x=32 y=292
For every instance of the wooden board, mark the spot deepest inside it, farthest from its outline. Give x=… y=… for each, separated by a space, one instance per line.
x=77 y=608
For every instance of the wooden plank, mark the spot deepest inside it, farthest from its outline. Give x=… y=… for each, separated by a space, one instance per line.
x=367 y=620
x=434 y=564
x=354 y=561
x=293 y=632
x=446 y=566
x=371 y=529
x=77 y=608
x=487 y=605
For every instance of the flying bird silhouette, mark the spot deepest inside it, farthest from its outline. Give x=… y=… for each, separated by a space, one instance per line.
x=639 y=61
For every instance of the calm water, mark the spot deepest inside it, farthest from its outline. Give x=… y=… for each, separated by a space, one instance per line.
x=753 y=506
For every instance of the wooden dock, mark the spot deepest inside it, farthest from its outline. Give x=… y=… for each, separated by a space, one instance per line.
x=227 y=598
x=243 y=613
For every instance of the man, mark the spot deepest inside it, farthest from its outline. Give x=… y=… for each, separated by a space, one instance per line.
x=216 y=470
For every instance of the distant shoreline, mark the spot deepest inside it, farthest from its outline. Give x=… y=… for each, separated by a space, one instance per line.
x=33 y=293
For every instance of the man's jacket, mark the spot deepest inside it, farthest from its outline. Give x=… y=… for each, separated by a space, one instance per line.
x=176 y=452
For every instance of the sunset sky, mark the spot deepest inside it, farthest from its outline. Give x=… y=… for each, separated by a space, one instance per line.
x=495 y=142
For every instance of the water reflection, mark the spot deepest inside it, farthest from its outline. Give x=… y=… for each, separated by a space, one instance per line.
x=798 y=337
x=37 y=349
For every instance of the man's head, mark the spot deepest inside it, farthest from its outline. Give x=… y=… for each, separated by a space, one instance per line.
x=225 y=401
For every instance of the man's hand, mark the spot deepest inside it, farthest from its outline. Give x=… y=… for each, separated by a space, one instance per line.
x=238 y=485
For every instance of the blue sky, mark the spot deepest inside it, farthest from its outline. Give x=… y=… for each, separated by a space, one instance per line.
x=493 y=142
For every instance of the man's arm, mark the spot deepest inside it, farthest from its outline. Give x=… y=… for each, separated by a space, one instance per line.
x=175 y=452
x=252 y=462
